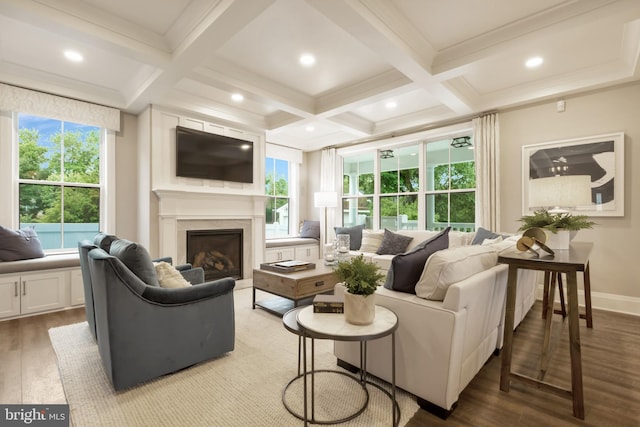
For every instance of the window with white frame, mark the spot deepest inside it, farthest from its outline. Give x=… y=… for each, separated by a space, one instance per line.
x=430 y=185
x=278 y=201
x=451 y=184
x=59 y=179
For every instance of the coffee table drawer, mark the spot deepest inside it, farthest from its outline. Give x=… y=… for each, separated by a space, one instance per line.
x=315 y=285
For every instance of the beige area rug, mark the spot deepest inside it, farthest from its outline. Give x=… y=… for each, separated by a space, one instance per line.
x=243 y=388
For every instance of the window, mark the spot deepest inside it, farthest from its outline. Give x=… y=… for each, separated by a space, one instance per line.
x=428 y=185
x=59 y=179
x=399 y=186
x=358 y=190
x=451 y=183
x=277 y=191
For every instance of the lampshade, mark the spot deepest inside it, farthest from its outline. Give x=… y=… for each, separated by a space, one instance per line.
x=325 y=199
x=562 y=191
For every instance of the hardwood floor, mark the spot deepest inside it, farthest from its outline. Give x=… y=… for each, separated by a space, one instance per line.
x=610 y=361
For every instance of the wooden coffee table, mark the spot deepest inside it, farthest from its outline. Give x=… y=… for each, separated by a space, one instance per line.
x=293 y=288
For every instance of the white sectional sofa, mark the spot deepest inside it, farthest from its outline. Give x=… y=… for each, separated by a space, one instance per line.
x=441 y=345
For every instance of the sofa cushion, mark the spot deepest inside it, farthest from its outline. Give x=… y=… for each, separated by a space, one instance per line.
x=393 y=243
x=371 y=240
x=137 y=259
x=104 y=240
x=355 y=235
x=452 y=265
x=310 y=229
x=17 y=245
x=482 y=234
x=169 y=277
x=406 y=268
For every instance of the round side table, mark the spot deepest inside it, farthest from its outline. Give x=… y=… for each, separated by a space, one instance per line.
x=334 y=326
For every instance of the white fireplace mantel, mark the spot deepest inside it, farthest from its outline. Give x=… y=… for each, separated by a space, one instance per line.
x=180 y=210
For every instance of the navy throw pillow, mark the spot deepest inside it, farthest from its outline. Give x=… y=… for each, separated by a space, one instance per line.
x=483 y=233
x=406 y=269
x=137 y=259
x=16 y=245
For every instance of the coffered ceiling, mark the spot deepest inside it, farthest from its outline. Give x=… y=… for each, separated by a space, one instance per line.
x=381 y=66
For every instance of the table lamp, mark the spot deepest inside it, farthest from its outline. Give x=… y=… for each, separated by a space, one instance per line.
x=560 y=193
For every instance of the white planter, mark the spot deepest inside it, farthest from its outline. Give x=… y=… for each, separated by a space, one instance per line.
x=559 y=240
x=359 y=309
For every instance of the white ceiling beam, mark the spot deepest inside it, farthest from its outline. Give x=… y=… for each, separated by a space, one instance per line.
x=214 y=30
x=378 y=25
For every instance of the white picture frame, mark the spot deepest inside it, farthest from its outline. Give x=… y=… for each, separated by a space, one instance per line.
x=600 y=156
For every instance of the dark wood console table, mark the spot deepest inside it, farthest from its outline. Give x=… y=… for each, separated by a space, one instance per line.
x=570 y=261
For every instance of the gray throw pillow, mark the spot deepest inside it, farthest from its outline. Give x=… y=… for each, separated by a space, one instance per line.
x=104 y=240
x=393 y=243
x=310 y=229
x=355 y=235
x=406 y=269
x=20 y=244
x=137 y=259
x=483 y=233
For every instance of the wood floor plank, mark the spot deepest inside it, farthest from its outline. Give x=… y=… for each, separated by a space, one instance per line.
x=611 y=373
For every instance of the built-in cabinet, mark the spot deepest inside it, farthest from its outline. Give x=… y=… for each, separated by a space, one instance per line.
x=297 y=252
x=48 y=290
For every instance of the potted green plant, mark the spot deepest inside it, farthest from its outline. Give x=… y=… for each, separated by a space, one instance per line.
x=561 y=227
x=361 y=279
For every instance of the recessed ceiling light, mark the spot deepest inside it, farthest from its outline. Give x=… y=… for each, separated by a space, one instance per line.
x=310 y=128
x=391 y=105
x=307 y=59
x=534 y=62
x=237 y=97
x=73 y=56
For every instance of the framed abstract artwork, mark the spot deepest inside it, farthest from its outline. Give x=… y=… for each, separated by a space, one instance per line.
x=601 y=158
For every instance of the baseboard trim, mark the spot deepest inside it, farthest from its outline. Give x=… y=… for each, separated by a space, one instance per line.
x=603 y=301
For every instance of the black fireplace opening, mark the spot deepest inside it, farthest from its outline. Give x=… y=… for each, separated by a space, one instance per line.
x=218 y=252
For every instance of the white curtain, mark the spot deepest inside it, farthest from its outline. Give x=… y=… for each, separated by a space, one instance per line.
x=328 y=183
x=486 y=138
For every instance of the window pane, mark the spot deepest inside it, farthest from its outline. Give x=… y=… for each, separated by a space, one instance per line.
x=463 y=175
x=437 y=161
x=81 y=214
x=389 y=182
x=437 y=211
x=81 y=153
x=463 y=211
x=39 y=147
x=41 y=209
x=409 y=181
x=277 y=217
x=276 y=177
x=357 y=211
x=408 y=212
x=357 y=178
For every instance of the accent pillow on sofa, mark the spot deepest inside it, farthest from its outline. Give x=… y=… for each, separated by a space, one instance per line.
x=393 y=243
x=482 y=234
x=355 y=235
x=371 y=240
x=450 y=266
x=104 y=241
x=169 y=277
x=137 y=259
x=310 y=229
x=16 y=245
x=406 y=268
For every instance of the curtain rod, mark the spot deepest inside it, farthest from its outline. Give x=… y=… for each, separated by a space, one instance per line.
x=409 y=131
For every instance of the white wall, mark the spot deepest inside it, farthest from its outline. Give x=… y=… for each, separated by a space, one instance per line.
x=126 y=148
x=615 y=266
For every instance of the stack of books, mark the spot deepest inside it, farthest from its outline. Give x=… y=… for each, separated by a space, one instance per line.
x=328 y=304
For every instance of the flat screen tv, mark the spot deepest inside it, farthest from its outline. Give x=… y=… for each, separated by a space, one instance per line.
x=209 y=156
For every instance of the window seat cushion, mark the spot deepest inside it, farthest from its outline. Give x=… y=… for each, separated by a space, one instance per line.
x=290 y=241
x=48 y=262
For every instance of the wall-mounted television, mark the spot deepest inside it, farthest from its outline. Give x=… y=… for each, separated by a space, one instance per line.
x=206 y=155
